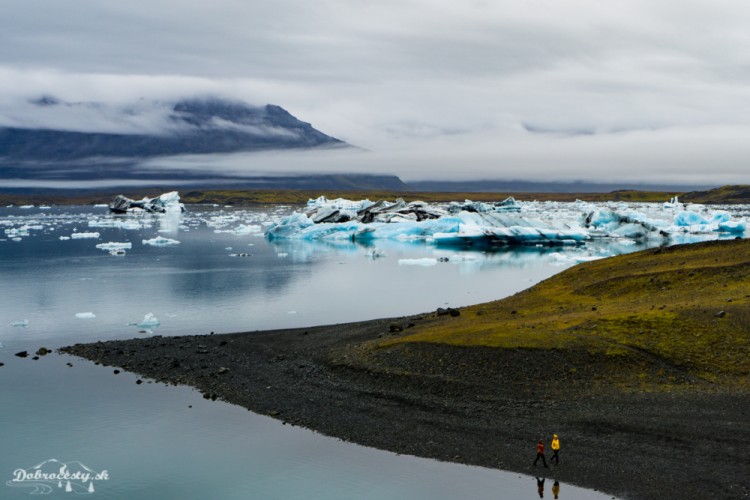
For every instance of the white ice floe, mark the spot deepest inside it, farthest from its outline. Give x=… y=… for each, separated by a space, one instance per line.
x=21 y=323
x=81 y=236
x=118 y=223
x=64 y=238
x=241 y=230
x=85 y=315
x=112 y=245
x=149 y=323
x=160 y=241
x=425 y=262
x=21 y=231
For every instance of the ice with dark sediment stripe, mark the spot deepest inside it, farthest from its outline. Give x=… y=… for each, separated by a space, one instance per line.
x=505 y=223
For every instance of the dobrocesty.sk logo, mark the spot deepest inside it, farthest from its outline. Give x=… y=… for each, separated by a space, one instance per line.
x=71 y=477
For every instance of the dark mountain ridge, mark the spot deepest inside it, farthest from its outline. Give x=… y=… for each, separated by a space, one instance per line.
x=194 y=126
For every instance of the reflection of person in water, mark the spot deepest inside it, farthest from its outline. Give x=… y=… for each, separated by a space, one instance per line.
x=556 y=489
x=540 y=487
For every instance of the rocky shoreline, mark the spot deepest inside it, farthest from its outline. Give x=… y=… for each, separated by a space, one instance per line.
x=480 y=406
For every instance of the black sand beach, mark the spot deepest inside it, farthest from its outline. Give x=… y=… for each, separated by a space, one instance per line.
x=480 y=406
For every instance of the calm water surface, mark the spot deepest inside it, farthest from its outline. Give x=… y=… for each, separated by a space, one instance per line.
x=168 y=442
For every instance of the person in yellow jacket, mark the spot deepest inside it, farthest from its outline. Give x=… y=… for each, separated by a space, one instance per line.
x=555 y=449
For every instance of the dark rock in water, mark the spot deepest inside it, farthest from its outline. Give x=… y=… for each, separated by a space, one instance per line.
x=43 y=351
x=139 y=381
x=116 y=372
x=22 y=354
x=35 y=358
x=2 y=364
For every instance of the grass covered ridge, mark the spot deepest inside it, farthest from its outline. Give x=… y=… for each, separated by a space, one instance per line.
x=298 y=197
x=685 y=307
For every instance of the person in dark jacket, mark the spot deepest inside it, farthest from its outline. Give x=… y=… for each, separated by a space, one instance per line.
x=540 y=453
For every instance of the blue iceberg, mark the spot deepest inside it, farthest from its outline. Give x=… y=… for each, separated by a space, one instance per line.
x=470 y=224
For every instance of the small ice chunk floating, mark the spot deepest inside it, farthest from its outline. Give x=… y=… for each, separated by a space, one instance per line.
x=149 y=323
x=497 y=224
x=165 y=203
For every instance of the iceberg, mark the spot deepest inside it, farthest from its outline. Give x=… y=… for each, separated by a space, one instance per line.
x=85 y=315
x=21 y=323
x=479 y=224
x=149 y=323
x=688 y=218
x=80 y=236
x=731 y=226
x=167 y=202
x=160 y=241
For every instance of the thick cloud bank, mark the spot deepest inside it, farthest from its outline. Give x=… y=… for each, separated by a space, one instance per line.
x=544 y=90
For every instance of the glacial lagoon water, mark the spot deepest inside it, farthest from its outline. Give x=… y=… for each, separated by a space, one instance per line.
x=161 y=442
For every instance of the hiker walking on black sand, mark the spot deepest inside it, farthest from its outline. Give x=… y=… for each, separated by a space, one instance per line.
x=555 y=448
x=540 y=453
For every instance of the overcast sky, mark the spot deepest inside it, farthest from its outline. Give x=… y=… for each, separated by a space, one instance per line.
x=631 y=90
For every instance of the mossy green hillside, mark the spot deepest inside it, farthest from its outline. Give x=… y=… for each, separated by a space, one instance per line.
x=686 y=306
x=296 y=197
